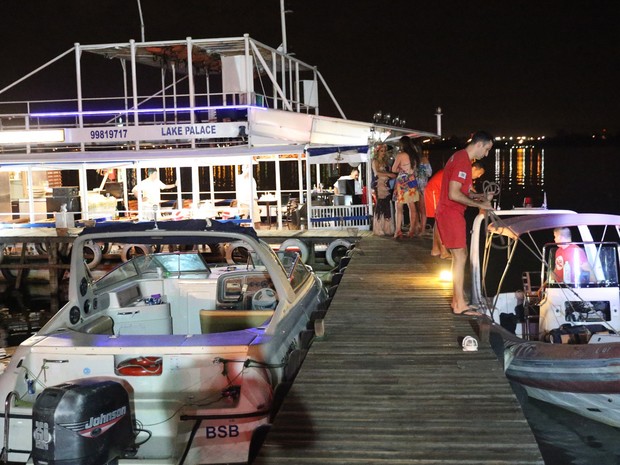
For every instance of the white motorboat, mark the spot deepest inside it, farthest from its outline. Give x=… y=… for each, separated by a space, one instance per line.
x=568 y=350
x=177 y=355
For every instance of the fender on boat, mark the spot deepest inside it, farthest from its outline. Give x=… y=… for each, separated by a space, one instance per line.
x=296 y=245
x=336 y=250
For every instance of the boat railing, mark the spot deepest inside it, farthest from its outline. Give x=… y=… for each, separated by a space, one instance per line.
x=292 y=83
x=340 y=216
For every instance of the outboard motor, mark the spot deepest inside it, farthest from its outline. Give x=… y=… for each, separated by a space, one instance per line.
x=83 y=422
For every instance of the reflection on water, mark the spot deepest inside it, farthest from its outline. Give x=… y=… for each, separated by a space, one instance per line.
x=520 y=173
x=583 y=179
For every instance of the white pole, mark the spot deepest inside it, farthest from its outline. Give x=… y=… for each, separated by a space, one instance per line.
x=278 y=193
x=134 y=87
x=438 y=115
x=283 y=21
x=141 y=21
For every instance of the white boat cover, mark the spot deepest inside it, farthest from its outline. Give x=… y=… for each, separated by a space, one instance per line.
x=517 y=226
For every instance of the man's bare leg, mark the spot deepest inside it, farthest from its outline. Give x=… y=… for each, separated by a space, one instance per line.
x=459 y=260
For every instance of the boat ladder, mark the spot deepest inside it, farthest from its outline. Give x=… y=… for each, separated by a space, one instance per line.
x=4 y=455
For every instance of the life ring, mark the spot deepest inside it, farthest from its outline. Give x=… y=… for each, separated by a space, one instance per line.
x=140 y=366
x=40 y=247
x=336 y=250
x=237 y=253
x=92 y=254
x=10 y=274
x=131 y=250
x=296 y=245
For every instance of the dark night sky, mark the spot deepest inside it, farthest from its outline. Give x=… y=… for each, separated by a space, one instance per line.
x=512 y=68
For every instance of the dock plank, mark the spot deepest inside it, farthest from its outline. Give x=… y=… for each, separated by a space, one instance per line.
x=389 y=382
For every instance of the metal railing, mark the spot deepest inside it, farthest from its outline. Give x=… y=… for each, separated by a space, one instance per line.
x=341 y=216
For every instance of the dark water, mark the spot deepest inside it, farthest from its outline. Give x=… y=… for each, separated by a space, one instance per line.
x=581 y=179
x=584 y=179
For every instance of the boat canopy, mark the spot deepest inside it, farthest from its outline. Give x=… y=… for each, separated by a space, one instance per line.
x=123 y=228
x=516 y=227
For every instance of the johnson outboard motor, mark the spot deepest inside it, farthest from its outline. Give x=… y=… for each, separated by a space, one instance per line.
x=83 y=422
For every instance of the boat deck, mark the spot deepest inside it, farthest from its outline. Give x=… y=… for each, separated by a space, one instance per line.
x=389 y=382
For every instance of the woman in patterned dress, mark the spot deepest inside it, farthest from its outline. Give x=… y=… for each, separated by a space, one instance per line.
x=406 y=186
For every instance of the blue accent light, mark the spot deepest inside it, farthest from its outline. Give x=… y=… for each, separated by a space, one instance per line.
x=142 y=111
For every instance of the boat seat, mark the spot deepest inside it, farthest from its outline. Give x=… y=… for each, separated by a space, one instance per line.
x=219 y=321
x=100 y=325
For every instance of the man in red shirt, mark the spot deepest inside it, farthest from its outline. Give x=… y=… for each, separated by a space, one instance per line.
x=571 y=263
x=455 y=196
x=431 y=198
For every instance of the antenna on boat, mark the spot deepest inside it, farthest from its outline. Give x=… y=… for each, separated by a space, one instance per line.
x=283 y=12
x=141 y=21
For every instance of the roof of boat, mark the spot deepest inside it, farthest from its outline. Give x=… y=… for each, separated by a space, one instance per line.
x=206 y=53
x=162 y=227
x=515 y=227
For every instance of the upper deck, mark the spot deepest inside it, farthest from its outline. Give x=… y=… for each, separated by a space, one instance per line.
x=172 y=104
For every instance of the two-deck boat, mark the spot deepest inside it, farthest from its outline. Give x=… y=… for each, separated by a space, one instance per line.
x=177 y=355
x=569 y=350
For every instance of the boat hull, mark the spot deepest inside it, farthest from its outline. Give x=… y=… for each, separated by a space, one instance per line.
x=583 y=378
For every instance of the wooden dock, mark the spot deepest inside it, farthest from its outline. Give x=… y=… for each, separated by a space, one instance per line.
x=389 y=382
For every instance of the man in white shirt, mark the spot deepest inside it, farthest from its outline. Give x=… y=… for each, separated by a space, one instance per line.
x=355 y=176
x=150 y=191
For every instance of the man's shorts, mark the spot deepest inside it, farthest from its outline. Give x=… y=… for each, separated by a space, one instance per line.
x=452 y=229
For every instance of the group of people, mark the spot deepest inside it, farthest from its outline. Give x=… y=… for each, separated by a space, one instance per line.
x=445 y=196
x=402 y=183
x=456 y=194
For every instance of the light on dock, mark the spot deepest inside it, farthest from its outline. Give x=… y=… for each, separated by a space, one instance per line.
x=445 y=276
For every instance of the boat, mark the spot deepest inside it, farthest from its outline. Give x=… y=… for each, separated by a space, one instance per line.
x=196 y=110
x=180 y=353
x=558 y=336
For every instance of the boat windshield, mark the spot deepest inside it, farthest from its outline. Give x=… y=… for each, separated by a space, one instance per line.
x=582 y=264
x=163 y=264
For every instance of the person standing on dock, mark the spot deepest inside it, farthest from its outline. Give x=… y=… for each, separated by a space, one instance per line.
x=423 y=173
x=455 y=196
x=406 y=185
x=383 y=222
x=431 y=199
x=150 y=190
